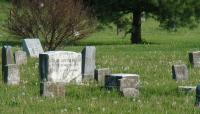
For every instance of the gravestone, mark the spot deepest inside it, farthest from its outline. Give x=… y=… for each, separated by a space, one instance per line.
x=194 y=58
x=130 y=92
x=7 y=57
x=12 y=74
x=51 y=89
x=60 y=66
x=100 y=75
x=32 y=47
x=180 y=72
x=20 y=57
x=113 y=80
x=129 y=83
x=187 y=89
x=88 y=62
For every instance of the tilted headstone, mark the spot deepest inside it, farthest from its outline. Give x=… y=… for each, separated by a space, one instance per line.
x=88 y=62
x=7 y=57
x=60 y=66
x=12 y=74
x=180 y=72
x=100 y=75
x=20 y=57
x=194 y=58
x=51 y=89
x=32 y=47
x=113 y=80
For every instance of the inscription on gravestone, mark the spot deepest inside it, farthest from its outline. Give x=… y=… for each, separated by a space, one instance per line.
x=88 y=64
x=60 y=66
x=180 y=72
x=32 y=47
x=20 y=57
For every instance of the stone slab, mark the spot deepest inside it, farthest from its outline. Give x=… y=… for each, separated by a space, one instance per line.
x=187 y=89
x=180 y=72
x=113 y=80
x=194 y=58
x=49 y=89
x=100 y=75
x=88 y=62
x=12 y=74
x=129 y=83
x=32 y=47
x=130 y=92
x=60 y=66
x=20 y=57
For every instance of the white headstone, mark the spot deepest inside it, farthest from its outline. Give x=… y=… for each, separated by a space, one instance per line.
x=32 y=47
x=60 y=66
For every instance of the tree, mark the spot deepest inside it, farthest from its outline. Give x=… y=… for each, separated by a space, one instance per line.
x=170 y=13
x=53 y=21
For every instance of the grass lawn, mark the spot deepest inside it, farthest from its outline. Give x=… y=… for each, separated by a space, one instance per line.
x=152 y=61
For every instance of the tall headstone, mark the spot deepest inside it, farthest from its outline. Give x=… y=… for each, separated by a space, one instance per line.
x=88 y=62
x=20 y=57
x=50 y=89
x=194 y=58
x=12 y=74
x=100 y=75
x=7 y=57
x=32 y=47
x=180 y=72
x=60 y=66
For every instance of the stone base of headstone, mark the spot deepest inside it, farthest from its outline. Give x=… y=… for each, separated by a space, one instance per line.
x=130 y=92
x=113 y=80
x=194 y=58
x=20 y=57
x=50 y=89
x=187 y=89
x=11 y=74
x=180 y=72
x=100 y=75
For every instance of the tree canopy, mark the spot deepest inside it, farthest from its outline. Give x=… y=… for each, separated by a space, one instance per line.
x=170 y=13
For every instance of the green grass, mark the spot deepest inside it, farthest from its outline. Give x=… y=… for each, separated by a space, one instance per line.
x=152 y=61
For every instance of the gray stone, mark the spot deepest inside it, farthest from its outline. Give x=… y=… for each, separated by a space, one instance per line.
x=12 y=74
x=100 y=75
x=130 y=92
x=187 y=89
x=50 y=89
x=180 y=72
x=7 y=57
x=60 y=66
x=129 y=83
x=194 y=58
x=88 y=62
x=20 y=57
x=32 y=47
x=113 y=80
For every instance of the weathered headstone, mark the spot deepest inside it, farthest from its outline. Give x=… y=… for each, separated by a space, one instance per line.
x=100 y=75
x=12 y=74
x=180 y=72
x=129 y=83
x=32 y=47
x=194 y=58
x=51 y=89
x=130 y=92
x=7 y=57
x=113 y=80
x=88 y=62
x=20 y=57
x=187 y=89
x=60 y=66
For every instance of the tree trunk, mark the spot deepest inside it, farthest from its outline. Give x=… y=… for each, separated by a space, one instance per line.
x=136 y=28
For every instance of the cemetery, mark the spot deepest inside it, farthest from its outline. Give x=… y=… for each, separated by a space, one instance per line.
x=101 y=73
